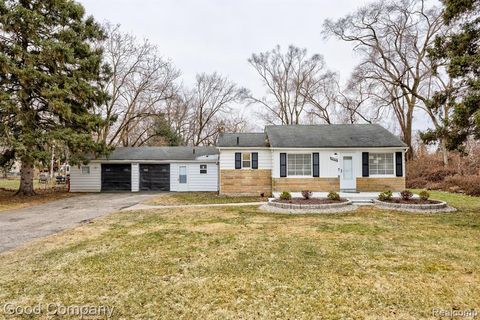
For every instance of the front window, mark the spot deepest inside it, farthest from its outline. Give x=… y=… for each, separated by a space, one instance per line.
x=203 y=169
x=85 y=170
x=381 y=163
x=246 y=160
x=299 y=164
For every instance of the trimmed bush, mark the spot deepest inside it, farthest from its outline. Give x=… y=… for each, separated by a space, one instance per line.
x=332 y=195
x=424 y=195
x=285 y=195
x=385 y=195
x=306 y=194
x=406 y=194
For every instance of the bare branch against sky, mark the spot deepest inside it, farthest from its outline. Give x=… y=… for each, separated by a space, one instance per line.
x=219 y=36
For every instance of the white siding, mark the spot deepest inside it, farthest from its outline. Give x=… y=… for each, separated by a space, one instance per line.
x=135 y=177
x=91 y=182
x=195 y=180
x=227 y=158
x=328 y=167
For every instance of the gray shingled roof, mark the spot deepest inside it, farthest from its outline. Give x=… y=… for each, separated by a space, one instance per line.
x=244 y=140
x=160 y=153
x=331 y=136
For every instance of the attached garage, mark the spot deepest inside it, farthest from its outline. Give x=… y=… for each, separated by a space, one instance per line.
x=149 y=169
x=116 y=177
x=154 y=177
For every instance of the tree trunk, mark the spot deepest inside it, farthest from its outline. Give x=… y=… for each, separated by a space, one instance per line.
x=26 y=178
x=444 y=150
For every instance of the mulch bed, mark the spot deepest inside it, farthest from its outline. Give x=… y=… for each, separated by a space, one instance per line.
x=310 y=201
x=411 y=201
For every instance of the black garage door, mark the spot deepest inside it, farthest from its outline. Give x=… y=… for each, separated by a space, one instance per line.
x=116 y=177
x=155 y=177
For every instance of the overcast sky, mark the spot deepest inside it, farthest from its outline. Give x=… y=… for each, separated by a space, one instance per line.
x=220 y=35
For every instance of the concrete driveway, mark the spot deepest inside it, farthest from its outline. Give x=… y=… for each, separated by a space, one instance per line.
x=23 y=225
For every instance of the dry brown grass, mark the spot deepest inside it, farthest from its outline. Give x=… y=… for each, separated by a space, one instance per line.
x=10 y=201
x=180 y=198
x=237 y=262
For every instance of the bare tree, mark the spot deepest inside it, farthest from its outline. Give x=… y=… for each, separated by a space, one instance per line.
x=209 y=102
x=140 y=83
x=393 y=38
x=321 y=94
x=355 y=101
x=293 y=81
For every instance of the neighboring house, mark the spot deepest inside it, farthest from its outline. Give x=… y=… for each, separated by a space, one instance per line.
x=320 y=158
x=149 y=169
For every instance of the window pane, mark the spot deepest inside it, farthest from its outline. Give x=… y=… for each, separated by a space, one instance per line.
x=246 y=160
x=381 y=163
x=299 y=164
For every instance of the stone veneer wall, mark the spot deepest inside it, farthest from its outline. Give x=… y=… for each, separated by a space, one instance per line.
x=371 y=184
x=312 y=184
x=246 y=182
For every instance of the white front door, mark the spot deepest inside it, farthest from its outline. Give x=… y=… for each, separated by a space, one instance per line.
x=182 y=178
x=347 y=176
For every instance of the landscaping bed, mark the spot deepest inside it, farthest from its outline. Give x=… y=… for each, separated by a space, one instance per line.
x=412 y=201
x=310 y=201
x=307 y=204
x=407 y=202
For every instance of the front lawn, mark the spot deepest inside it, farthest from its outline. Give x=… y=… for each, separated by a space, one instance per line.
x=180 y=198
x=45 y=193
x=13 y=184
x=238 y=262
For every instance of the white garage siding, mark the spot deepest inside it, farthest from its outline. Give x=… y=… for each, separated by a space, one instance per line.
x=86 y=180
x=195 y=180
x=227 y=158
x=135 y=177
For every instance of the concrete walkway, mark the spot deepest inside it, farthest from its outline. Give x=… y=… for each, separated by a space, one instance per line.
x=20 y=226
x=150 y=207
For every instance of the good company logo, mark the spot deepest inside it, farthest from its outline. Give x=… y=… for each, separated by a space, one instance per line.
x=58 y=309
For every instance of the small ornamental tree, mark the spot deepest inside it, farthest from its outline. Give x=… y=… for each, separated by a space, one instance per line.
x=50 y=76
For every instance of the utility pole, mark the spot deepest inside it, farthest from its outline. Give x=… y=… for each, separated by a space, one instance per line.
x=51 y=162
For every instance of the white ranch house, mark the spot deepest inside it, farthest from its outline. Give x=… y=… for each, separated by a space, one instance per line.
x=320 y=158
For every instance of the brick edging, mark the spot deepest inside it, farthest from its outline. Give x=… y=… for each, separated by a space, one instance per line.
x=432 y=206
x=309 y=206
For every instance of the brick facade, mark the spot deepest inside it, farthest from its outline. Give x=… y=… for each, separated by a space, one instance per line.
x=371 y=184
x=246 y=182
x=312 y=184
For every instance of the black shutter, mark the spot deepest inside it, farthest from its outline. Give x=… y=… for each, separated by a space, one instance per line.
x=365 y=169
x=238 y=160
x=399 y=164
x=316 y=166
x=283 y=165
x=254 y=160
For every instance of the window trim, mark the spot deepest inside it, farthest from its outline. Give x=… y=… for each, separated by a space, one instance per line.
x=85 y=167
x=381 y=175
x=309 y=156
x=206 y=169
x=249 y=161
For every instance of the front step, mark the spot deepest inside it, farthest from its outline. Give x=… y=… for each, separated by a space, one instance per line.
x=349 y=191
x=362 y=202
